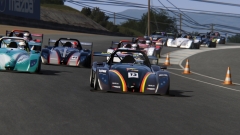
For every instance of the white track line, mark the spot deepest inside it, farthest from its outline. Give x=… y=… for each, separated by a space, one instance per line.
x=205 y=82
x=229 y=47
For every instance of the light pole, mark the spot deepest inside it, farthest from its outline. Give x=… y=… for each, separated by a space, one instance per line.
x=148 y=17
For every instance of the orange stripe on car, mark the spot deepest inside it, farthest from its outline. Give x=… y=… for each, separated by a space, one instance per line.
x=124 y=85
x=142 y=87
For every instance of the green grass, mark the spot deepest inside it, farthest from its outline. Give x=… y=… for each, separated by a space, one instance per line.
x=59 y=7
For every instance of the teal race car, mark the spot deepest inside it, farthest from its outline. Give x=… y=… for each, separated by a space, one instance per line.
x=15 y=55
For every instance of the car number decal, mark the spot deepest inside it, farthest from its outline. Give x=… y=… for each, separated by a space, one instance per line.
x=132 y=75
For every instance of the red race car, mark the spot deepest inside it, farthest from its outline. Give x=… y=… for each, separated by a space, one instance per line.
x=34 y=40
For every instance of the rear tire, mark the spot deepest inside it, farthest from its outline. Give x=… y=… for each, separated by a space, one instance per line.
x=168 y=90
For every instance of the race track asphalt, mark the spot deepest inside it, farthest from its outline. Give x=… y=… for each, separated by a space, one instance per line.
x=59 y=101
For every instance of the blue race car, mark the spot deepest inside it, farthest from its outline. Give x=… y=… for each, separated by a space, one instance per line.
x=129 y=71
x=67 y=51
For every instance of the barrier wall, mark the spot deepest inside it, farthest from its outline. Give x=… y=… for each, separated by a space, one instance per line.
x=22 y=8
x=34 y=23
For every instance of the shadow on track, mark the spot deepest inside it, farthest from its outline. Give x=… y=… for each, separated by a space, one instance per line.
x=51 y=72
x=173 y=93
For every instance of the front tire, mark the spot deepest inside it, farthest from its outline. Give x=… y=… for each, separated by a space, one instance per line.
x=38 y=70
x=95 y=84
x=91 y=78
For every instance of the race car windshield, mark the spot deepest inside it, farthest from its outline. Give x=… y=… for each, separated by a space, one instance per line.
x=129 y=57
x=12 y=43
x=125 y=43
x=68 y=43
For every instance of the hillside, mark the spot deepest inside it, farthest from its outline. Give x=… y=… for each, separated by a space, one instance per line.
x=67 y=15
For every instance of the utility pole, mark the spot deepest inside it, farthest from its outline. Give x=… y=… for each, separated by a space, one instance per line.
x=148 y=17
x=114 y=18
x=180 y=23
x=212 y=28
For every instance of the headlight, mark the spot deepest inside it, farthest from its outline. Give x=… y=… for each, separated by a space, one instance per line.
x=33 y=62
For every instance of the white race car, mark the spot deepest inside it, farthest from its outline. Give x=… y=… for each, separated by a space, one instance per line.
x=185 y=41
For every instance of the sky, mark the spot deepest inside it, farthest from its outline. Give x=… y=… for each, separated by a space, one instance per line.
x=189 y=4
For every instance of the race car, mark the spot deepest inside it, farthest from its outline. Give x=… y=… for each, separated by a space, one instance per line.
x=216 y=35
x=185 y=41
x=67 y=51
x=133 y=72
x=155 y=36
x=142 y=45
x=15 y=55
x=34 y=40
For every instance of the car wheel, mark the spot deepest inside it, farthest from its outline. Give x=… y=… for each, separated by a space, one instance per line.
x=95 y=83
x=91 y=78
x=191 y=46
x=168 y=90
x=38 y=70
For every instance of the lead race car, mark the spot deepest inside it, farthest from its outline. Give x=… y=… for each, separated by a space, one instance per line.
x=34 y=40
x=15 y=55
x=134 y=73
x=67 y=51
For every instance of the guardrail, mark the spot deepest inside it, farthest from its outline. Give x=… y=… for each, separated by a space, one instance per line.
x=27 y=22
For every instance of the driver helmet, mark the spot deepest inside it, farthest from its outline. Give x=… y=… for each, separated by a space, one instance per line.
x=21 y=45
x=26 y=36
x=128 y=46
x=148 y=42
x=74 y=44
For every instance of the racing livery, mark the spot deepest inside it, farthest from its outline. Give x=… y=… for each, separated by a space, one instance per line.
x=134 y=73
x=34 y=40
x=15 y=55
x=185 y=41
x=67 y=51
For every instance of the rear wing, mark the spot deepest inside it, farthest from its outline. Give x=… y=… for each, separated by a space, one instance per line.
x=7 y=32
x=64 y=41
x=22 y=31
x=39 y=36
x=105 y=54
x=114 y=43
x=102 y=54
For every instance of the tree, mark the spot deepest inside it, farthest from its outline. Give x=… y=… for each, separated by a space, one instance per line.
x=86 y=11
x=234 y=39
x=99 y=17
x=160 y=21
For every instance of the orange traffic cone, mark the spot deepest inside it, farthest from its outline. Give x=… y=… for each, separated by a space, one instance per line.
x=228 y=80
x=167 y=62
x=187 y=68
